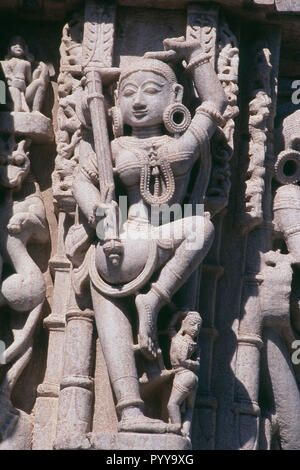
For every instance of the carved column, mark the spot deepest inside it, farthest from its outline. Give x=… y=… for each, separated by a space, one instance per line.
x=258 y=240
x=48 y=391
x=76 y=387
x=205 y=25
x=75 y=412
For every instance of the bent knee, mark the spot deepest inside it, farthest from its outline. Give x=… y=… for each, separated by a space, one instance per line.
x=201 y=233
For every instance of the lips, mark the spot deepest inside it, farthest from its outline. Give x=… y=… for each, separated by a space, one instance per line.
x=139 y=114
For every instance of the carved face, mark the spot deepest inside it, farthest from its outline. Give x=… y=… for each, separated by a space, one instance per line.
x=17 y=47
x=192 y=327
x=143 y=98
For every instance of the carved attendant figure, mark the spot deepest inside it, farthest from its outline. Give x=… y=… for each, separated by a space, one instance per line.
x=155 y=169
x=26 y=88
x=185 y=360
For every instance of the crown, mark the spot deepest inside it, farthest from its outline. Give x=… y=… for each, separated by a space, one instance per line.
x=148 y=65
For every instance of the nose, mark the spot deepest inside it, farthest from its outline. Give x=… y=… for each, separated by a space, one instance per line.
x=139 y=101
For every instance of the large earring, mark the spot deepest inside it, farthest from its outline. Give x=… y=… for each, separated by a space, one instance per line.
x=118 y=127
x=177 y=118
x=287 y=167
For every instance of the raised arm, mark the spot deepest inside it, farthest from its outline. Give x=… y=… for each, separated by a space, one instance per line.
x=213 y=100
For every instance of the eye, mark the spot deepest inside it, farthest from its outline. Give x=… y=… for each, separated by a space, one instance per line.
x=128 y=92
x=151 y=90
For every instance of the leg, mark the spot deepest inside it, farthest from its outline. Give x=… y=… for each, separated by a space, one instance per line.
x=115 y=334
x=174 y=403
x=35 y=94
x=184 y=390
x=187 y=421
x=16 y=98
x=173 y=275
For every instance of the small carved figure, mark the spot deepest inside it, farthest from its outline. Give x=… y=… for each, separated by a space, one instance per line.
x=185 y=360
x=27 y=88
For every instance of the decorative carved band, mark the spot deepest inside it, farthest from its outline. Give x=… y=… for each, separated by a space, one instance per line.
x=251 y=340
x=77 y=381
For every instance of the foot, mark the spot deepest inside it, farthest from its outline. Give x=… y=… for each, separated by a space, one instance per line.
x=148 y=306
x=147 y=425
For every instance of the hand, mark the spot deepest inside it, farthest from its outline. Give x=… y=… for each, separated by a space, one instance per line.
x=104 y=209
x=193 y=365
x=99 y=212
x=185 y=431
x=18 y=223
x=182 y=49
x=176 y=50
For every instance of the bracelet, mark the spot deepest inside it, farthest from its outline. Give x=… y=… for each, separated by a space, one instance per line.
x=208 y=109
x=199 y=60
x=90 y=174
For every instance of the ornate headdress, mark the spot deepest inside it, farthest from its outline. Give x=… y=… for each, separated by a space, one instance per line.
x=148 y=65
x=193 y=316
x=142 y=64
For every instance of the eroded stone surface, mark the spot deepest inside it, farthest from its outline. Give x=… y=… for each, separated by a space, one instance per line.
x=189 y=119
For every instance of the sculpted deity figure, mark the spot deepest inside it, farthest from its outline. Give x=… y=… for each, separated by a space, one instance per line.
x=185 y=360
x=148 y=261
x=27 y=88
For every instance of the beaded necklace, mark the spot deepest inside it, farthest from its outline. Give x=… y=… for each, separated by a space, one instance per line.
x=157 y=183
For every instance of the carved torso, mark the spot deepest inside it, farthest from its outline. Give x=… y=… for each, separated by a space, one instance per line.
x=16 y=71
x=182 y=348
x=136 y=158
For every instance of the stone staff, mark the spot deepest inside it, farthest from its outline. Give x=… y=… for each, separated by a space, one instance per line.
x=97 y=57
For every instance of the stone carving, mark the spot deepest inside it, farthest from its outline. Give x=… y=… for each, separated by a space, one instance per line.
x=123 y=367
x=185 y=360
x=256 y=225
x=23 y=222
x=202 y=26
x=279 y=319
x=217 y=39
x=225 y=54
x=70 y=89
x=26 y=86
x=287 y=197
x=259 y=113
x=154 y=168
